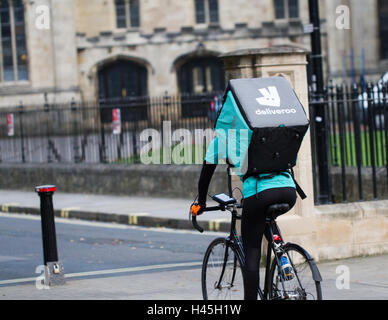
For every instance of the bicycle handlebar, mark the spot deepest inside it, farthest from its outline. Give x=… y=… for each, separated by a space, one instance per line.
x=195 y=224
x=215 y=208
x=194 y=218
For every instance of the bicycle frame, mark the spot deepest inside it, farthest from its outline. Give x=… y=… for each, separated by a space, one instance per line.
x=233 y=240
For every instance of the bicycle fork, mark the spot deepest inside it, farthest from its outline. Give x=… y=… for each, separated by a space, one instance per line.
x=226 y=256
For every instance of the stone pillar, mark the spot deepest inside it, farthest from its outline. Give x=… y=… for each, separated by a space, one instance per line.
x=39 y=44
x=63 y=15
x=52 y=49
x=290 y=63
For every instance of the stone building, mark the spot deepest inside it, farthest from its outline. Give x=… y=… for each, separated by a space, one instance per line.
x=57 y=50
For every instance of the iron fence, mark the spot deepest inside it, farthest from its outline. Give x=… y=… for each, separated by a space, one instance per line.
x=107 y=131
x=357 y=134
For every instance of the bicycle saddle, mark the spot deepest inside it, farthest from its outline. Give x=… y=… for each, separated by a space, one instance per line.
x=276 y=210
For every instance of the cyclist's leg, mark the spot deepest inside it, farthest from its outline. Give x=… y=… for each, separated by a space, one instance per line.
x=252 y=230
x=281 y=195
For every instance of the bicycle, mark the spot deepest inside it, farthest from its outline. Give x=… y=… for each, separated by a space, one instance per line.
x=224 y=259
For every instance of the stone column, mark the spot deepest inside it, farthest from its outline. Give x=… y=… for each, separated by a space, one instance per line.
x=52 y=49
x=39 y=44
x=290 y=63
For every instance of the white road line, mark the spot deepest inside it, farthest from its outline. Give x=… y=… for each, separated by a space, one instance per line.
x=135 y=269
x=111 y=271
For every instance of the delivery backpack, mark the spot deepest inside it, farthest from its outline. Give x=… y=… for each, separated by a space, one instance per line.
x=275 y=119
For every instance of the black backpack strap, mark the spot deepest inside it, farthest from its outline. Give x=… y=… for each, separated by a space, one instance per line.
x=299 y=190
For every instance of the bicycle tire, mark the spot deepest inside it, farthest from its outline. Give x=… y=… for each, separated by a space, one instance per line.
x=231 y=286
x=300 y=287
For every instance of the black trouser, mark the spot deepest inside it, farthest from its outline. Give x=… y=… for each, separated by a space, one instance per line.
x=252 y=231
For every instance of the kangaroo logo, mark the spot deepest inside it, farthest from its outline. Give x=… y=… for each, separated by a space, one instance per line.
x=270 y=97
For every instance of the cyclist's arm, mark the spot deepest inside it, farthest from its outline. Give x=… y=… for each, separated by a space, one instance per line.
x=215 y=151
x=204 y=181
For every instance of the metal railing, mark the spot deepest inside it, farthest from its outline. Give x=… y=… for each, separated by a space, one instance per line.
x=107 y=131
x=356 y=128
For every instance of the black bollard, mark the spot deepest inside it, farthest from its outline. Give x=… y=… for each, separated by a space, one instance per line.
x=54 y=272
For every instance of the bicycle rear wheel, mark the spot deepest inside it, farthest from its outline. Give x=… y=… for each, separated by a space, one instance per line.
x=222 y=277
x=301 y=284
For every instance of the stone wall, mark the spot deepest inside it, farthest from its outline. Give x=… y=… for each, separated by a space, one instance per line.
x=137 y=180
x=355 y=229
x=152 y=180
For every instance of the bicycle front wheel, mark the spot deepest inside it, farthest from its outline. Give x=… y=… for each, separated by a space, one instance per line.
x=222 y=277
x=299 y=284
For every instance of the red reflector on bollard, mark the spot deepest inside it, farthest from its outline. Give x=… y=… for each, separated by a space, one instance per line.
x=47 y=188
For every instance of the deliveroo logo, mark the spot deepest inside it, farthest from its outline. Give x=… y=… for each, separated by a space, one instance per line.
x=270 y=97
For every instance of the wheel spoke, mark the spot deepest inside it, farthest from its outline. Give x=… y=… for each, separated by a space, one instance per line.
x=300 y=285
x=231 y=284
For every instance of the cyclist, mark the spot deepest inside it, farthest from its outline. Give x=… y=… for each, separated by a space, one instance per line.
x=258 y=194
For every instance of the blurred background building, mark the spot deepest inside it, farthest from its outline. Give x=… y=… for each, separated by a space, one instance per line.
x=57 y=50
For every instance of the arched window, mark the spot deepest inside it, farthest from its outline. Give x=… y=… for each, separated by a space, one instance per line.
x=201 y=75
x=121 y=79
x=13 y=51
x=123 y=84
x=204 y=78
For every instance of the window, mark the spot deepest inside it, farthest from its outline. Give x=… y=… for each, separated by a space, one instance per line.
x=202 y=75
x=200 y=79
x=383 y=26
x=206 y=11
x=13 y=51
x=286 y=9
x=134 y=13
x=122 y=79
x=123 y=84
x=127 y=13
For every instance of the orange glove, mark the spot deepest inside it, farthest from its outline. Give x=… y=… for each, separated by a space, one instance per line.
x=196 y=209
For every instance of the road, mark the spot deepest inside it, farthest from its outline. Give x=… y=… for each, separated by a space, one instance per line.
x=84 y=246
x=110 y=261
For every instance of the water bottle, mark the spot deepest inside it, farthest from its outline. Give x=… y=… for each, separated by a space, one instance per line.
x=286 y=267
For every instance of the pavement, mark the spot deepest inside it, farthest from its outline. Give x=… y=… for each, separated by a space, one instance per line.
x=367 y=281
x=140 y=211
